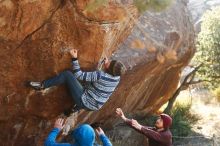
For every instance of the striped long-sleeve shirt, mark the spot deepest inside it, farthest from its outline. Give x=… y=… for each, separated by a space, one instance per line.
x=99 y=87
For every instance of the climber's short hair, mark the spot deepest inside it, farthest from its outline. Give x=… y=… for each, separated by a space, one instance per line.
x=116 y=68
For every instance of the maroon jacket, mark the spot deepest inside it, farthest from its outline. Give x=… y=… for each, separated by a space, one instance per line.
x=156 y=138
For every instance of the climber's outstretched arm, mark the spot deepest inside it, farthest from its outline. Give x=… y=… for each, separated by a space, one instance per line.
x=120 y=113
x=79 y=74
x=147 y=131
x=105 y=140
x=131 y=122
x=51 y=139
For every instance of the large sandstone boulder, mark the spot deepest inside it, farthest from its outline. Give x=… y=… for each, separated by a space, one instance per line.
x=33 y=34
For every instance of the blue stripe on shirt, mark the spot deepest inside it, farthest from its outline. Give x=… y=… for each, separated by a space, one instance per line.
x=75 y=70
x=96 y=101
x=97 y=95
x=100 y=90
x=84 y=76
x=109 y=79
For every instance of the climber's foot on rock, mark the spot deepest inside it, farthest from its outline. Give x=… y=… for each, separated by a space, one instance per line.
x=96 y=125
x=66 y=129
x=70 y=112
x=70 y=121
x=36 y=85
x=67 y=112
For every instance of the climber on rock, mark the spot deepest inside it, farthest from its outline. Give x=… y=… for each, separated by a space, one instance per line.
x=83 y=135
x=159 y=135
x=99 y=85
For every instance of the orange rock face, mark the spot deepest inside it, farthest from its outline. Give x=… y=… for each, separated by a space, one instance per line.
x=33 y=34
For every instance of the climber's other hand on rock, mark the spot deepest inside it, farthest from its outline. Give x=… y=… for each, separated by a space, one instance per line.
x=135 y=124
x=73 y=53
x=59 y=123
x=99 y=131
x=120 y=113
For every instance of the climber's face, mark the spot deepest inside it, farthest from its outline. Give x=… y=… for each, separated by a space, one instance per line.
x=159 y=123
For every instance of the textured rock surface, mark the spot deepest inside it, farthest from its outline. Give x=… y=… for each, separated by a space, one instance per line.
x=32 y=34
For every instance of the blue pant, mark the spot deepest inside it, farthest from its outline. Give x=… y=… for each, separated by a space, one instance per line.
x=75 y=88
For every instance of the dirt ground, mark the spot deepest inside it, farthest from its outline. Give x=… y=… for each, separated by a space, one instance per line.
x=207 y=130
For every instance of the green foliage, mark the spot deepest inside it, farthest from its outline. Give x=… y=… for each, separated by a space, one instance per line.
x=95 y=4
x=156 y=5
x=142 y=5
x=151 y=120
x=183 y=120
x=208 y=46
x=217 y=93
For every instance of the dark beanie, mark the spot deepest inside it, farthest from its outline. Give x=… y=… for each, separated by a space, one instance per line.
x=116 y=68
x=167 y=120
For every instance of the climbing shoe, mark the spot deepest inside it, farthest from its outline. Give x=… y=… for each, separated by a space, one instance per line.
x=71 y=111
x=36 y=85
